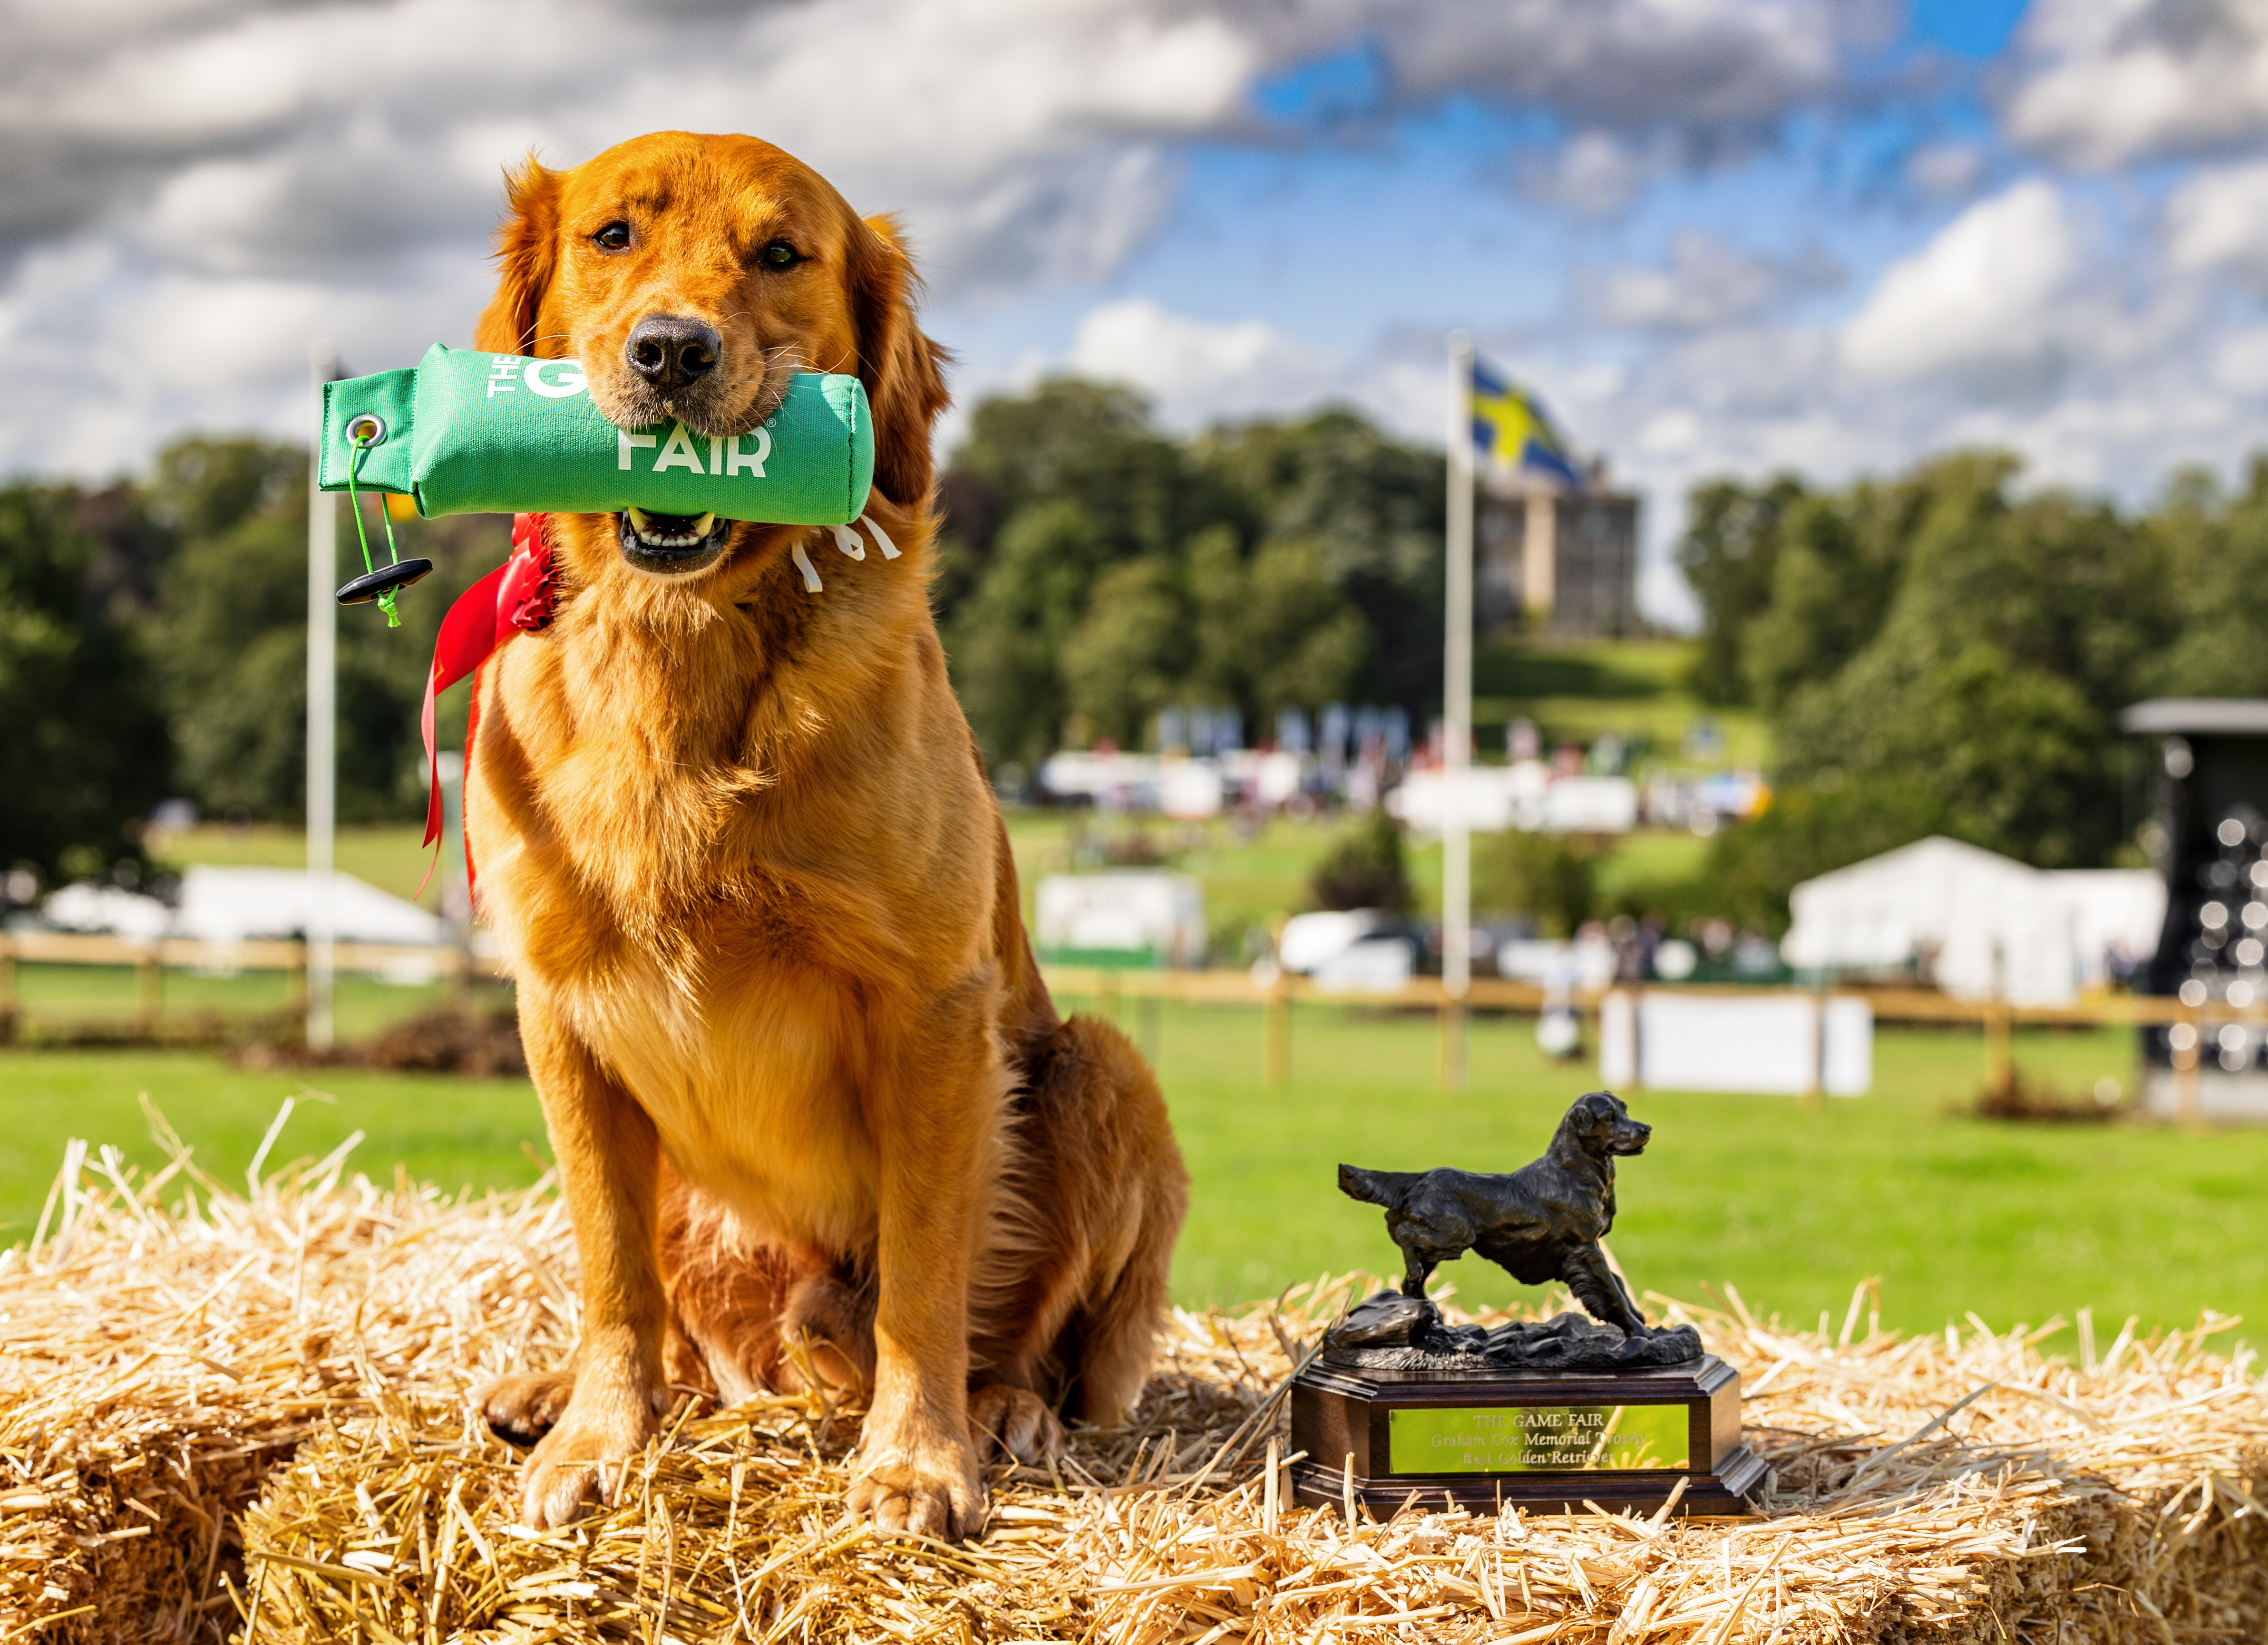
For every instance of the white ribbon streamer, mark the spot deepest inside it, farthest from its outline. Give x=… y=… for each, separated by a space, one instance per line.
x=881 y=537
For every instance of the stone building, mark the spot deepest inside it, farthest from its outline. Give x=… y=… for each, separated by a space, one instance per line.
x=1553 y=560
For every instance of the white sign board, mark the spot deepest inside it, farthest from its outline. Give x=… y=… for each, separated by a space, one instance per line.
x=1762 y=1044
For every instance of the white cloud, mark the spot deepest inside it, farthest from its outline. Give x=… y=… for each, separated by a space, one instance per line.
x=1595 y=174
x=1632 y=64
x=1196 y=370
x=2218 y=219
x=1706 y=284
x=211 y=156
x=2240 y=362
x=1948 y=170
x=1980 y=301
x=2104 y=82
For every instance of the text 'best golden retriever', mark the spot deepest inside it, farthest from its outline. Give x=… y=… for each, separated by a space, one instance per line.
x=797 y=1063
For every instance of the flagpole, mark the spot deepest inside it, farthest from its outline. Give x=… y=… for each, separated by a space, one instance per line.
x=1457 y=713
x=322 y=722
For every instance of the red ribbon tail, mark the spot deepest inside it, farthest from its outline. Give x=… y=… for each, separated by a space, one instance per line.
x=516 y=595
x=469 y=634
x=471 y=730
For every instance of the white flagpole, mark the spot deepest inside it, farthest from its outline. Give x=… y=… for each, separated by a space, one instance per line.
x=1457 y=711
x=322 y=721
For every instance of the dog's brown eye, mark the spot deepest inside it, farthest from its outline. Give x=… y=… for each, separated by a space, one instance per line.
x=779 y=254
x=616 y=236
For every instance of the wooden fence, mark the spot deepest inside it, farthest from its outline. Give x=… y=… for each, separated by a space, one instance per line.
x=1275 y=996
x=149 y=960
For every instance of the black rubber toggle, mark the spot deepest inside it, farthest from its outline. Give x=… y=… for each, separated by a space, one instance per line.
x=368 y=587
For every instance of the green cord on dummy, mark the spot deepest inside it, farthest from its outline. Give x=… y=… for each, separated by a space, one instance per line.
x=373 y=585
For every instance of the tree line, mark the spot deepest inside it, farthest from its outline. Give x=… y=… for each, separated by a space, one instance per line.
x=154 y=645
x=1093 y=569
x=1947 y=652
x=1946 y=649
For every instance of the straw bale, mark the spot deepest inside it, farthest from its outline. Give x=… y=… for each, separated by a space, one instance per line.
x=243 y=1414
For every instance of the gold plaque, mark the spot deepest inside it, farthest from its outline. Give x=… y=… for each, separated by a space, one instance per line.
x=1538 y=1439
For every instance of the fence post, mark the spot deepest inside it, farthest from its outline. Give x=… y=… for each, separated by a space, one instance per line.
x=2188 y=1094
x=1815 y=1091
x=1455 y=1076
x=1999 y=1058
x=1276 y=1064
x=148 y=988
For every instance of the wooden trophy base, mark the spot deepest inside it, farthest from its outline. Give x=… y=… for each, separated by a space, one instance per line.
x=1546 y=1441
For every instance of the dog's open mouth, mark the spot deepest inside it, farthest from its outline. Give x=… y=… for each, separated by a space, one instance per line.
x=671 y=544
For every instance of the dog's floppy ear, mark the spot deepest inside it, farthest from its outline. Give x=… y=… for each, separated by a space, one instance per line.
x=901 y=369
x=1597 y=1109
x=527 y=249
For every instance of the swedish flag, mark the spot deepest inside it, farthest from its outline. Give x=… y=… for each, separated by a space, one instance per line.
x=1511 y=428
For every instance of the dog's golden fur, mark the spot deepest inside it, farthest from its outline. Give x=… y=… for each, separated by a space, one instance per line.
x=800 y=1071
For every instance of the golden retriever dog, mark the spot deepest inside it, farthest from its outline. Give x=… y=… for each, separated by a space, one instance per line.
x=797 y=1066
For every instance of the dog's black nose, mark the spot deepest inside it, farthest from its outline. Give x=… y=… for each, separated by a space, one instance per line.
x=670 y=351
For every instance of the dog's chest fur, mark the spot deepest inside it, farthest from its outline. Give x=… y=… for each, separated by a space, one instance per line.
x=683 y=852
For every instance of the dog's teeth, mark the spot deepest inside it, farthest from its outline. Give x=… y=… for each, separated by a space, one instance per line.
x=638 y=521
x=701 y=526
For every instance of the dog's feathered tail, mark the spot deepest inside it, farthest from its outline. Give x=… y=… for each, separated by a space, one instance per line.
x=1376 y=1187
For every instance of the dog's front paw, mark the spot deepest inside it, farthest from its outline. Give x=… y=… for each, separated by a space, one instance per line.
x=1013 y=1424
x=934 y=1490
x=522 y=1409
x=579 y=1463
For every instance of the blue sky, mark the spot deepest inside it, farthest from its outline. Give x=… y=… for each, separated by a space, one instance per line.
x=1720 y=236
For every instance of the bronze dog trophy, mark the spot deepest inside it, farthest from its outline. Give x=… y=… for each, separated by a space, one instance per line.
x=1545 y=1415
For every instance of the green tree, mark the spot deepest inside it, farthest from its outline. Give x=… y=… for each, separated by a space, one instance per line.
x=1729 y=554
x=1007 y=637
x=85 y=755
x=1127 y=656
x=1937 y=633
x=1272 y=631
x=1364 y=869
x=230 y=631
x=1372 y=509
x=1064 y=441
x=1834 y=571
x=2217 y=547
x=228 y=635
x=1552 y=879
x=1095 y=569
x=2018 y=631
x=1807 y=833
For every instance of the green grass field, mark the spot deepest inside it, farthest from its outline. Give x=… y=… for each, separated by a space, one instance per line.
x=1584 y=689
x=1793 y=1204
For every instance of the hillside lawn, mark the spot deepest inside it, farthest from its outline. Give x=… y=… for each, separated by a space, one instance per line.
x=1794 y=1205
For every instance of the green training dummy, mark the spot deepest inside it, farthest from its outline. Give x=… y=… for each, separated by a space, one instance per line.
x=465 y=432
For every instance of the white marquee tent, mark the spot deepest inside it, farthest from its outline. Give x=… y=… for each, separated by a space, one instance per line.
x=1986 y=925
x=236 y=905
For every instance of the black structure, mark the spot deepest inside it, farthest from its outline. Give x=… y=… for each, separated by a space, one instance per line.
x=2208 y=765
x=1543 y=1414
